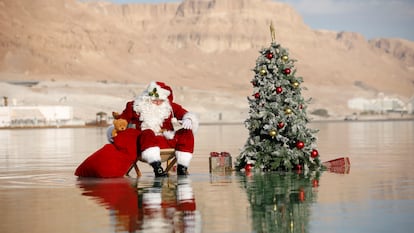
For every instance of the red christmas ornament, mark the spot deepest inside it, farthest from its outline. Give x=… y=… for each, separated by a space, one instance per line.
x=280 y=125
x=269 y=55
x=301 y=106
x=257 y=95
x=279 y=90
x=300 y=145
x=248 y=167
x=254 y=83
x=314 y=153
x=301 y=195
x=286 y=71
x=298 y=167
x=315 y=183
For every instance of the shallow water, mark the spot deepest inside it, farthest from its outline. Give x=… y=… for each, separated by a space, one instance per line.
x=38 y=192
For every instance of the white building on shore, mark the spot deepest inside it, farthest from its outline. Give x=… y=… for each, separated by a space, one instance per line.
x=381 y=104
x=35 y=116
x=410 y=107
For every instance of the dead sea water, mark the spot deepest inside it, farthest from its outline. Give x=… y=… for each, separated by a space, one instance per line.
x=39 y=193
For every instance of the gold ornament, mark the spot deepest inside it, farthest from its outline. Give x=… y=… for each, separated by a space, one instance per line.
x=285 y=58
x=295 y=84
x=263 y=72
x=272 y=133
x=288 y=111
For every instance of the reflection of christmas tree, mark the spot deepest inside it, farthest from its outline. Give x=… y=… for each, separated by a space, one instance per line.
x=280 y=202
x=278 y=136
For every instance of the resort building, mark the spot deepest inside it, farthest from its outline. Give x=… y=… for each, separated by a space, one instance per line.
x=410 y=106
x=35 y=116
x=381 y=104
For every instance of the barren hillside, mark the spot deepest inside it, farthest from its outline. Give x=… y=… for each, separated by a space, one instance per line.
x=202 y=45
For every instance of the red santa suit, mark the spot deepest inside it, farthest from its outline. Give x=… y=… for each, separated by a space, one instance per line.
x=156 y=125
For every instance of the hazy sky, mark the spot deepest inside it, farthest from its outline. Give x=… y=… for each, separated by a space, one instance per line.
x=371 y=18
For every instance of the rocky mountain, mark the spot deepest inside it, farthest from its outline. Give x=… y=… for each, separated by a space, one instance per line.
x=203 y=45
x=402 y=50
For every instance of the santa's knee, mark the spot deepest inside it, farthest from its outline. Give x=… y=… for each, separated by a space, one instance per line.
x=146 y=139
x=184 y=140
x=184 y=133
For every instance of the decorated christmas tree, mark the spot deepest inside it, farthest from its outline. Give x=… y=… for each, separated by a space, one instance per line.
x=279 y=138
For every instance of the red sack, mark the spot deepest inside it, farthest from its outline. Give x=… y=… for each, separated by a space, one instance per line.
x=112 y=160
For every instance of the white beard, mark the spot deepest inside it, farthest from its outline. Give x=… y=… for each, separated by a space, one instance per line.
x=152 y=115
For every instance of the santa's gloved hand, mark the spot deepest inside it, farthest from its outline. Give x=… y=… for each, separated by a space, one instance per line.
x=187 y=124
x=168 y=134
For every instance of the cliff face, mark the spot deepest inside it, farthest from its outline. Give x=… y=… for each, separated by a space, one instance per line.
x=203 y=44
x=401 y=50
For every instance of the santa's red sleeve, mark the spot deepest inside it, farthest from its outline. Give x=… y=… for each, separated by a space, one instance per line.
x=178 y=111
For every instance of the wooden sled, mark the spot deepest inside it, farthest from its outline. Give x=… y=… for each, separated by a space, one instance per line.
x=167 y=155
x=339 y=165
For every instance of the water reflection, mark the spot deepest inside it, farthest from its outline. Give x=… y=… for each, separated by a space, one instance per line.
x=157 y=205
x=39 y=192
x=280 y=202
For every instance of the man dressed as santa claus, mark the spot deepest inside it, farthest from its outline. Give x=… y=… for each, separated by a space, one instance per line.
x=154 y=113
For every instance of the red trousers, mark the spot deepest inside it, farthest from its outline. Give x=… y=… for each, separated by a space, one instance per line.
x=183 y=141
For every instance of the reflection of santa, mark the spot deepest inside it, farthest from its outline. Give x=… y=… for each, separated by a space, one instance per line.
x=152 y=205
x=154 y=113
x=186 y=219
x=170 y=208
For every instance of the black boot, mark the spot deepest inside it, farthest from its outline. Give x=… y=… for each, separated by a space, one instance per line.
x=181 y=170
x=158 y=170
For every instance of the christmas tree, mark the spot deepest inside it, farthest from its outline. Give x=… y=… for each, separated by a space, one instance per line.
x=279 y=139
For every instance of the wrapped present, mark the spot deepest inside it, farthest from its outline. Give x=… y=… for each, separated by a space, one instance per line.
x=220 y=162
x=339 y=165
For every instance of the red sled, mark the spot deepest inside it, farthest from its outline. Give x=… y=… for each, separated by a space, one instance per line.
x=339 y=165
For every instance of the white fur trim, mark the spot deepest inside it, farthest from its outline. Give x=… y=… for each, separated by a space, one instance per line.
x=183 y=158
x=194 y=119
x=151 y=154
x=176 y=124
x=169 y=134
x=162 y=93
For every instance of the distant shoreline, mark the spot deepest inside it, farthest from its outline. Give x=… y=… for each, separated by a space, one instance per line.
x=367 y=119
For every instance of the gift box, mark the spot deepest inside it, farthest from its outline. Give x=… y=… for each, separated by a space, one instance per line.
x=339 y=165
x=220 y=162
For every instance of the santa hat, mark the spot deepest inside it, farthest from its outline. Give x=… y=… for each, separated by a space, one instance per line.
x=159 y=90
